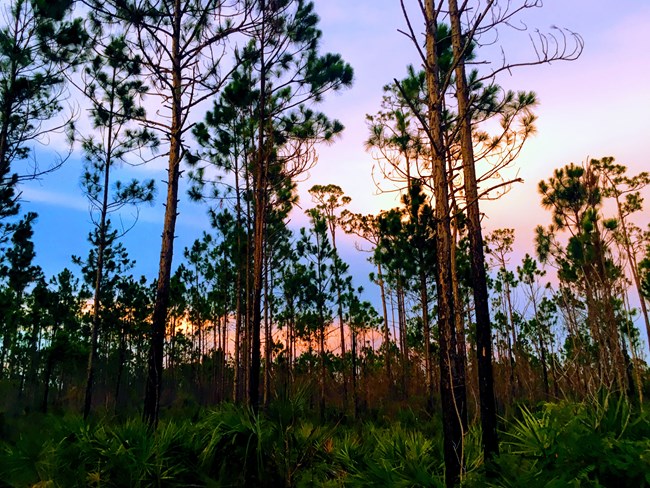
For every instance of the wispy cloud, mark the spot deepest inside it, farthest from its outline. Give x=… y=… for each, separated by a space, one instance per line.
x=69 y=201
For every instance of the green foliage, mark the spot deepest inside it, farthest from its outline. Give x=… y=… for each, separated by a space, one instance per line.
x=282 y=448
x=396 y=456
x=78 y=454
x=587 y=264
x=603 y=442
x=599 y=443
x=37 y=45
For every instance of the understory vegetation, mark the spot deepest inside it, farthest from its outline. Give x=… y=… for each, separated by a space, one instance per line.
x=599 y=442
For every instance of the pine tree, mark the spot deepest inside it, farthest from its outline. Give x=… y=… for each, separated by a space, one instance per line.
x=280 y=76
x=18 y=272
x=574 y=196
x=316 y=249
x=38 y=45
x=329 y=199
x=114 y=90
x=179 y=43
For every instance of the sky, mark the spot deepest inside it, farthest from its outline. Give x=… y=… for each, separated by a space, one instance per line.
x=595 y=106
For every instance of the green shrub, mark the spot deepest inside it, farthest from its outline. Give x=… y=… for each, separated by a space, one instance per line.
x=600 y=443
x=565 y=444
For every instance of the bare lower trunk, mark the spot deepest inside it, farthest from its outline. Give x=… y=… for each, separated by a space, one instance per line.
x=401 y=313
x=323 y=369
x=428 y=370
x=461 y=353
x=159 y=320
x=355 y=395
x=387 y=345
x=268 y=339
x=256 y=319
x=120 y=368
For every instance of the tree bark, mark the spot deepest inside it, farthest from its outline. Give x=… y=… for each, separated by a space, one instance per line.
x=477 y=258
x=387 y=345
x=260 y=184
x=159 y=321
x=452 y=381
x=428 y=369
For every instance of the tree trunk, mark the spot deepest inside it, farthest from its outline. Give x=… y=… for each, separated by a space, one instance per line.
x=268 y=339
x=99 y=274
x=159 y=320
x=387 y=345
x=452 y=381
x=245 y=352
x=461 y=355
x=401 y=314
x=542 y=346
x=477 y=258
x=120 y=367
x=260 y=189
x=323 y=369
x=49 y=369
x=355 y=395
x=428 y=370
x=339 y=304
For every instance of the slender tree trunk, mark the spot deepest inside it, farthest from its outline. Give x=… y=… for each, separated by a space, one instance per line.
x=34 y=341
x=215 y=384
x=387 y=345
x=120 y=366
x=99 y=273
x=268 y=339
x=635 y=358
x=260 y=179
x=159 y=320
x=512 y=338
x=511 y=355
x=452 y=381
x=355 y=395
x=613 y=362
x=236 y=394
x=428 y=370
x=49 y=369
x=339 y=304
x=323 y=369
x=292 y=348
x=248 y=319
x=171 y=357
x=628 y=369
x=553 y=366
x=237 y=354
x=461 y=354
x=477 y=258
x=542 y=346
x=224 y=358
x=401 y=314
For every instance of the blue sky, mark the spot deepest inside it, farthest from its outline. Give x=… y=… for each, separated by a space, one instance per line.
x=593 y=107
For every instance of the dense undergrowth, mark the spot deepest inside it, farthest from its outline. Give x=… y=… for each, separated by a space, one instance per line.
x=604 y=442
